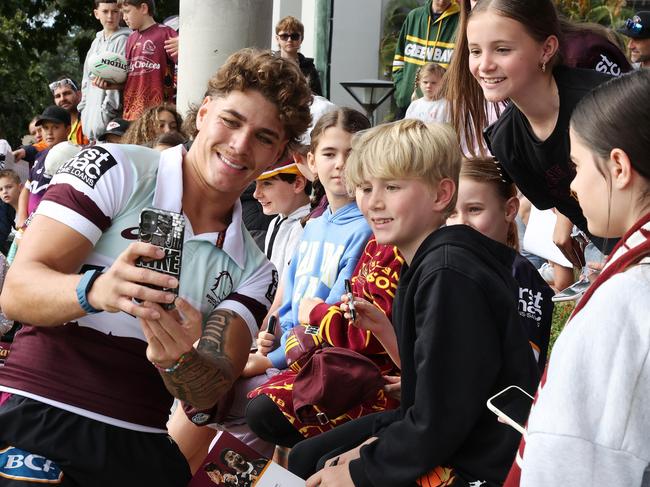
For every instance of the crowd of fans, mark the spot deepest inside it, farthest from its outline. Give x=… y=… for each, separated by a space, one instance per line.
x=349 y=297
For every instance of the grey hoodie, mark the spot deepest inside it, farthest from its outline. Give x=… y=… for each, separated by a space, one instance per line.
x=97 y=106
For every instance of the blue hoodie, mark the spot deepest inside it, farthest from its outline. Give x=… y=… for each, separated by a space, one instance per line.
x=327 y=254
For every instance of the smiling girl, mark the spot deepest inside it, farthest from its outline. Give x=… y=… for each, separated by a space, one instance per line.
x=513 y=55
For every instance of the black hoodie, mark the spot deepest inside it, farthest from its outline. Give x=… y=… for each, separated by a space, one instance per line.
x=460 y=342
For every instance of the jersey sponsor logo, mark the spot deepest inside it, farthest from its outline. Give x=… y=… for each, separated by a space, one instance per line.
x=89 y=165
x=142 y=65
x=17 y=464
x=221 y=288
x=530 y=304
x=273 y=287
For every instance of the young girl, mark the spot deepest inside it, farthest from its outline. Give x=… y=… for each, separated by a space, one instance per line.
x=590 y=423
x=154 y=121
x=514 y=55
x=430 y=107
x=490 y=205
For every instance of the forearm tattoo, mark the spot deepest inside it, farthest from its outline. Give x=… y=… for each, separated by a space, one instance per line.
x=208 y=373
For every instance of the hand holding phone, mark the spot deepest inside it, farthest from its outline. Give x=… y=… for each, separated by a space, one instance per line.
x=512 y=406
x=166 y=230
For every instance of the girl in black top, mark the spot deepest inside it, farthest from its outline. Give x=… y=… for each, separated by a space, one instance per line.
x=513 y=54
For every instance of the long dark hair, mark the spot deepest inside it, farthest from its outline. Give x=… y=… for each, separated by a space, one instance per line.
x=616 y=114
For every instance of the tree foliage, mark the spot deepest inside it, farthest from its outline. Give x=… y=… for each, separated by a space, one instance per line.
x=41 y=40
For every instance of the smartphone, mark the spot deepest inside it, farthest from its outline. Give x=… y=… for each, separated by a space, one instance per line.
x=273 y=321
x=165 y=229
x=573 y=292
x=512 y=405
x=351 y=309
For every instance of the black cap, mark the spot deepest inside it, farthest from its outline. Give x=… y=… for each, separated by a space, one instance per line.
x=117 y=126
x=638 y=27
x=53 y=114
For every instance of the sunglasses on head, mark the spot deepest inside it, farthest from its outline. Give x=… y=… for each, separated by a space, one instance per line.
x=62 y=82
x=634 y=24
x=294 y=36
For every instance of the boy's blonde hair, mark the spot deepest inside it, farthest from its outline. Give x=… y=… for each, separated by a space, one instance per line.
x=405 y=149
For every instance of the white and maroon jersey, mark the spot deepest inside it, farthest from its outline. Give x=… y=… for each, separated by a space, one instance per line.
x=97 y=366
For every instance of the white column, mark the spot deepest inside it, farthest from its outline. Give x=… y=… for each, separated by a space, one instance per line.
x=211 y=30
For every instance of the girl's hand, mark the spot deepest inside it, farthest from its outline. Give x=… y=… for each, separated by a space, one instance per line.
x=566 y=243
x=265 y=342
x=305 y=308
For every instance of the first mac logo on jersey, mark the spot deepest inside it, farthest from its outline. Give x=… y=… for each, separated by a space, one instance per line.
x=89 y=165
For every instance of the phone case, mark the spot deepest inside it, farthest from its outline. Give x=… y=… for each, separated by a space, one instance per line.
x=164 y=229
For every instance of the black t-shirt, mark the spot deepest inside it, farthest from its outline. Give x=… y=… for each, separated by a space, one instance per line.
x=542 y=170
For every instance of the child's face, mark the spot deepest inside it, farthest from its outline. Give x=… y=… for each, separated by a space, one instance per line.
x=135 y=17
x=108 y=15
x=503 y=57
x=166 y=122
x=54 y=132
x=430 y=86
x=480 y=207
x=328 y=163
x=35 y=131
x=275 y=195
x=399 y=211
x=591 y=189
x=9 y=191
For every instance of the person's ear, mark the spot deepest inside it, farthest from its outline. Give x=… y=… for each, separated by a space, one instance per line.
x=620 y=169
x=202 y=112
x=511 y=209
x=444 y=193
x=311 y=163
x=299 y=184
x=95 y=13
x=549 y=48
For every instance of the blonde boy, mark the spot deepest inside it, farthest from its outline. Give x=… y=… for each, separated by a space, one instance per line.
x=455 y=320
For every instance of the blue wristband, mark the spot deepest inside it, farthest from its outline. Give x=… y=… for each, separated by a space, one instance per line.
x=83 y=288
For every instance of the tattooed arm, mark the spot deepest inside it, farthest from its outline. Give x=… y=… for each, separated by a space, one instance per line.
x=213 y=366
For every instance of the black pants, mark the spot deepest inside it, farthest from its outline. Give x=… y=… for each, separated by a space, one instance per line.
x=267 y=421
x=309 y=456
x=88 y=452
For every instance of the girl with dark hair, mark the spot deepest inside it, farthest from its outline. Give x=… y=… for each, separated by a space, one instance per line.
x=589 y=425
x=514 y=55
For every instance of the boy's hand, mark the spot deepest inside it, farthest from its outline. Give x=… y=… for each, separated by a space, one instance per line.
x=393 y=386
x=171 y=46
x=106 y=85
x=369 y=316
x=256 y=365
x=19 y=154
x=336 y=476
x=115 y=289
x=265 y=343
x=305 y=308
